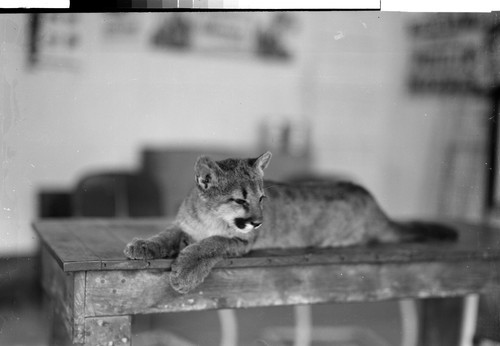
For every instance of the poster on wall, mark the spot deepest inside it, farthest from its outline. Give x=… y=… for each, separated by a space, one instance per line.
x=448 y=53
x=270 y=35
x=121 y=27
x=55 y=40
x=494 y=48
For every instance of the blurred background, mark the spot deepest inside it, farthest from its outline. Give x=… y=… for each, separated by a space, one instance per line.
x=103 y=114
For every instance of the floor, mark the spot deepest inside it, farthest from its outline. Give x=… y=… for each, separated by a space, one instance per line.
x=24 y=323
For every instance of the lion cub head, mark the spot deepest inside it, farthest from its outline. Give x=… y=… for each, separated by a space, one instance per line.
x=233 y=190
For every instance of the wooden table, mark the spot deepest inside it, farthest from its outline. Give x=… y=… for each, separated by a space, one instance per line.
x=94 y=290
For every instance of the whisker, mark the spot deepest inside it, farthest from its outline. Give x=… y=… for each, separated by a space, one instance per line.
x=269 y=186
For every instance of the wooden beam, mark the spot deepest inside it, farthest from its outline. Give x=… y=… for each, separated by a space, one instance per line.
x=108 y=331
x=148 y=291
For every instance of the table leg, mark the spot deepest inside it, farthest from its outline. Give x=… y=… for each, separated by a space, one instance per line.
x=440 y=321
x=488 y=326
x=108 y=331
x=58 y=334
x=65 y=294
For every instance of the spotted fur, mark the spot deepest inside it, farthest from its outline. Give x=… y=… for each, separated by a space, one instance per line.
x=231 y=211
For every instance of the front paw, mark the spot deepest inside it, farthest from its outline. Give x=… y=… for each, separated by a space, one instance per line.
x=188 y=270
x=143 y=249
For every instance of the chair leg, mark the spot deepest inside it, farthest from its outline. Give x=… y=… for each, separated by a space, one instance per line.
x=440 y=321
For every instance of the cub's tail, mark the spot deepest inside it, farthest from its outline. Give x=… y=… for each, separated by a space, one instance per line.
x=418 y=231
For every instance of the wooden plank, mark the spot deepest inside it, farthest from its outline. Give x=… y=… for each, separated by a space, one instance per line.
x=148 y=291
x=100 y=241
x=100 y=245
x=75 y=266
x=65 y=248
x=163 y=264
x=70 y=251
x=394 y=253
x=382 y=253
x=110 y=330
x=83 y=244
x=108 y=240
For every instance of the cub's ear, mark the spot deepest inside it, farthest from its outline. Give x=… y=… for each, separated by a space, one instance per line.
x=206 y=172
x=262 y=162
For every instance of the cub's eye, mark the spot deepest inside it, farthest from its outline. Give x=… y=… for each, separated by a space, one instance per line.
x=262 y=198
x=239 y=201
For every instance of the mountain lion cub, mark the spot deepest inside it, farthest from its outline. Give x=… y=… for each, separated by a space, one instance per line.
x=231 y=211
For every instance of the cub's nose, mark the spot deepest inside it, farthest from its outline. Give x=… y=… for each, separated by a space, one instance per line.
x=256 y=224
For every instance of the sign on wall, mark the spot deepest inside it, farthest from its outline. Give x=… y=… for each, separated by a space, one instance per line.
x=55 y=40
x=449 y=53
x=266 y=35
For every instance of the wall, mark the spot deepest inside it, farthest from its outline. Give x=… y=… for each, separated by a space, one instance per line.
x=367 y=125
x=348 y=83
x=59 y=124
